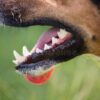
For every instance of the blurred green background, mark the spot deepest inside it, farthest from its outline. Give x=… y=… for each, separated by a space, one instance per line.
x=78 y=79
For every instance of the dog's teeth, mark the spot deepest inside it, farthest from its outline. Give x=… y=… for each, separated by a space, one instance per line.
x=54 y=40
x=25 y=51
x=38 y=50
x=18 y=57
x=62 y=33
x=15 y=61
x=46 y=47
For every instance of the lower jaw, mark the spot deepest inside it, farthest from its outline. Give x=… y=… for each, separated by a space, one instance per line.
x=39 y=79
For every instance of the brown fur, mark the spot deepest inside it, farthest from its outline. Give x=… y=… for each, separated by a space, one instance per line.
x=81 y=13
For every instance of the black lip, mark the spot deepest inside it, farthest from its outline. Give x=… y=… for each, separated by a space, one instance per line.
x=15 y=22
x=10 y=21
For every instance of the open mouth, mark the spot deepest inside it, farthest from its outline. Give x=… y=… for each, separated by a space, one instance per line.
x=56 y=45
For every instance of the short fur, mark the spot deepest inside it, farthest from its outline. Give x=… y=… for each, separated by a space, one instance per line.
x=84 y=14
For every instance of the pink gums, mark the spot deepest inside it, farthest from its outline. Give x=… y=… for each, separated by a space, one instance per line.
x=46 y=38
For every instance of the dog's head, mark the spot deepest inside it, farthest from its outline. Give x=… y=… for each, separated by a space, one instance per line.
x=76 y=30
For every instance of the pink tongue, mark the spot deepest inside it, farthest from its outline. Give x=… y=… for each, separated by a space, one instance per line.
x=46 y=38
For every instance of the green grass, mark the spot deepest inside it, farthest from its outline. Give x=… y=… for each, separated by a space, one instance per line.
x=78 y=79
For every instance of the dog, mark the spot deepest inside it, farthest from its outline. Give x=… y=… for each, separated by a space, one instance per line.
x=76 y=31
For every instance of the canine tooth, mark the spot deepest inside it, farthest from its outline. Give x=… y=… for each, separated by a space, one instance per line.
x=25 y=51
x=46 y=47
x=54 y=40
x=38 y=50
x=18 y=57
x=62 y=33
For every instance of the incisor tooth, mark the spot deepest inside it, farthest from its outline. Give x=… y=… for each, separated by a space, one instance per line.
x=46 y=47
x=25 y=51
x=62 y=33
x=18 y=57
x=15 y=61
x=38 y=50
x=54 y=40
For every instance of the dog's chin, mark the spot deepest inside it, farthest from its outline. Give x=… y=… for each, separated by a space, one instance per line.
x=58 y=44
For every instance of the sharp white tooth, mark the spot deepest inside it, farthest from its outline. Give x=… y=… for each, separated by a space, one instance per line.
x=15 y=61
x=54 y=40
x=46 y=47
x=25 y=51
x=38 y=50
x=16 y=54
x=62 y=33
x=18 y=57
